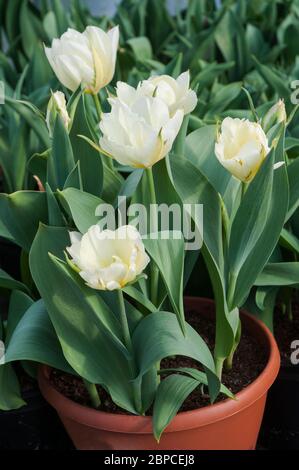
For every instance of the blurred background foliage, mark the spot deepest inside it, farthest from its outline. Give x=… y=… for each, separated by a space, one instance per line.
x=226 y=45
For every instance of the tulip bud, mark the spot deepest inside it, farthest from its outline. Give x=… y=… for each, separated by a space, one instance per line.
x=241 y=147
x=275 y=115
x=57 y=107
x=108 y=260
x=86 y=59
x=139 y=131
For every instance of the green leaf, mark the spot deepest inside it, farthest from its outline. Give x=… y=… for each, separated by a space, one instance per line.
x=274 y=81
x=87 y=331
x=34 y=339
x=37 y=165
x=141 y=48
x=7 y=282
x=74 y=179
x=82 y=207
x=163 y=252
x=18 y=304
x=140 y=298
x=32 y=118
x=200 y=146
x=200 y=377
x=55 y=215
x=289 y=241
x=293 y=169
x=10 y=393
x=250 y=219
x=221 y=100
x=130 y=184
x=202 y=192
x=171 y=393
x=61 y=159
x=21 y=213
x=91 y=166
x=279 y=274
x=264 y=246
x=159 y=336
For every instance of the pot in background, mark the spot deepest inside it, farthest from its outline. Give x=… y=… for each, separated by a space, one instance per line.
x=227 y=425
x=280 y=427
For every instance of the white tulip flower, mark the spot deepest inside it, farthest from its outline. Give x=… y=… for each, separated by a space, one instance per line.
x=139 y=131
x=108 y=260
x=57 y=106
x=241 y=147
x=86 y=58
x=174 y=92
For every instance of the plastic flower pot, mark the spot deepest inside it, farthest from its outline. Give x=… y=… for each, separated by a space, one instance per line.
x=229 y=424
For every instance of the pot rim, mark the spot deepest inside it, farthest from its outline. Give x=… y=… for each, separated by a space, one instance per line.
x=132 y=424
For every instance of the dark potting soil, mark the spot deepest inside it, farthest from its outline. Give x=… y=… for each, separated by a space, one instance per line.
x=249 y=361
x=286 y=330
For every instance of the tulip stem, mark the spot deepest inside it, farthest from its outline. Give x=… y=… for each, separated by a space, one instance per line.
x=244 y=189
x=93 y=394
x=128 y=343
x=124 y=321
x=98 y=106
x=154 y=231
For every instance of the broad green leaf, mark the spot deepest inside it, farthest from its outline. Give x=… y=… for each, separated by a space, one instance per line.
x=140 y=298
x=86 y=329
x=171 y=394
x=200 y=146
x=33 y=119
x=91 y=166
x=34 y=339
x=274 y=81
x=289 y=241
x=19 y=303
x=10 y=393
x=141 y=48
x=269 y=237
x=37 y=165
x=130 y=184
x=279 y=274
x=55 y=217
x=164 y=252
x=74 y=179
x=159 y=336
x=221 y=100
x=61 y=159
x=202 y=192
x=7 y=282
x=293 y=169
x=21 y=213
x=82 y=206
x=251 y=218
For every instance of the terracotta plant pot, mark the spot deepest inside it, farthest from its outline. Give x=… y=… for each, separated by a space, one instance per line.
x=230 y=424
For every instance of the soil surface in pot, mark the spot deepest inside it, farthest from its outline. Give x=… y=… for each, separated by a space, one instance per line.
x=286 y=331
x=249 y=361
